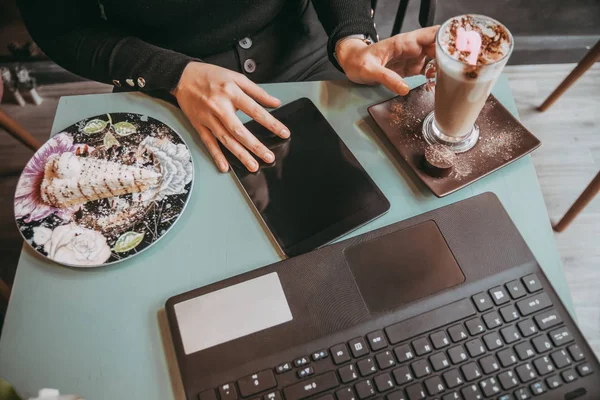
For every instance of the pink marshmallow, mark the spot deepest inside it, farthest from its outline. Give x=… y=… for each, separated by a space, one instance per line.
x=468 y=41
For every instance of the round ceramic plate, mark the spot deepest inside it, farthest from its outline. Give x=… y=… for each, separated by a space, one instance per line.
x=104 y=189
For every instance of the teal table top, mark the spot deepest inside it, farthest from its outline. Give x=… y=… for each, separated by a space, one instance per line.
x=100 y=333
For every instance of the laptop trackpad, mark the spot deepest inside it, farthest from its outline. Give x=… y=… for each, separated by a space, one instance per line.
x=403 y=266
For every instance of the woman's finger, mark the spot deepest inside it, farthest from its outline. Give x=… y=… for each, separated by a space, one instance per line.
x=429 y=50
x=213 y=147
x=232 y=144
x=235 y=127
x=260 y=115
x=387 y=78
x=426 y=36
x=257 y=93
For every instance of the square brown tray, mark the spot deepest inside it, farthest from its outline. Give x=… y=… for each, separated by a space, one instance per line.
x=503 y=139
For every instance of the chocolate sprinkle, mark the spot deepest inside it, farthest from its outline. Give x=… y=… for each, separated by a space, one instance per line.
x=491 y=47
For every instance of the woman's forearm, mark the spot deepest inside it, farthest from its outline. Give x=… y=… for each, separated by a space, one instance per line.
x=73 y=34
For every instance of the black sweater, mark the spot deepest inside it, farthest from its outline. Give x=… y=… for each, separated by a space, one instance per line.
x=108 y=40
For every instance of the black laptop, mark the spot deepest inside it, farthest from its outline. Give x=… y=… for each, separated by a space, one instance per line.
x=448 y=305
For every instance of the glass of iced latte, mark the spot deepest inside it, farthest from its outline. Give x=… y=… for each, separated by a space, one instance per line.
x=471 y=51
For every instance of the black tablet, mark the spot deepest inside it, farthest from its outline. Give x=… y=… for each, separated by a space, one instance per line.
x=316 y=190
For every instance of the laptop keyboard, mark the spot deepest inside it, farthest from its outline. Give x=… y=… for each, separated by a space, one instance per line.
x=508 y=343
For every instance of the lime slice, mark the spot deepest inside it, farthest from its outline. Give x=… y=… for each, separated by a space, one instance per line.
x=110 y=140
x=128 y=241
x=94 y=126
x=124 y=128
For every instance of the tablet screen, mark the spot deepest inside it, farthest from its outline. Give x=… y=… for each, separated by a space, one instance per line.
x=316 y=190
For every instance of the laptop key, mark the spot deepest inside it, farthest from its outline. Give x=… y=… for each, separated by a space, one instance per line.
x=358 y=347
x=553 y=381
x=475 y=326
x=510 y=334
x=499 y=295
x=524 y=350
x=568 y=375
x=489 y=364
x=532 y=283
x=421 y=368
x=560 y=358
x=490 y=387
x=452 y=378
x=492 y=320
x=584 y=369
x=543 y=365
x=364 y=389
x=492 y=341
x=472 y=393
x=299 y=362
x=508 y=380
x=256 y=383
x=548 y=319
x=304 y=372
x=541 y=344
x=385 y=360
x=538 y=388
x=311 y=386
x=507 y=357
x=397 y=395
x=515 y=289
x=345 y=394
x=339 y=353
x=482 y=301
x=457 y=333
x=439 y=361
x=475 y=347
x=422 y=346
x=560 y=336
x=471 y=371
x=457 y=354
x=534 y=304
x=280 y=369
x=439 y=340
x=404 y=353
x=383 y=382
x=366 y=366
x=377 y=340
x=434 y=385
x=526 y=373
x=416 y=392
x=527 y=328
x=522 y=394
x=509 y=313
x=348 y=373
x=320 y=355
x=576 y=352
x=402 y=375
x=228 y=392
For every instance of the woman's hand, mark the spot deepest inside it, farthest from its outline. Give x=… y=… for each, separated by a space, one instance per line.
x=210 y=96
x=386 y=62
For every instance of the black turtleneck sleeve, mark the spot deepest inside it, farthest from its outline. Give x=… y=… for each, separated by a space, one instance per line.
x=74 y=34
x=342 y=18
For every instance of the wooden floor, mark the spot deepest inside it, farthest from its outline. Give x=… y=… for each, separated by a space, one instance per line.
x=566 y=162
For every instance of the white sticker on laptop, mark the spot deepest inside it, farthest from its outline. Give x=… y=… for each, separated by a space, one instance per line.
x=231 y=313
